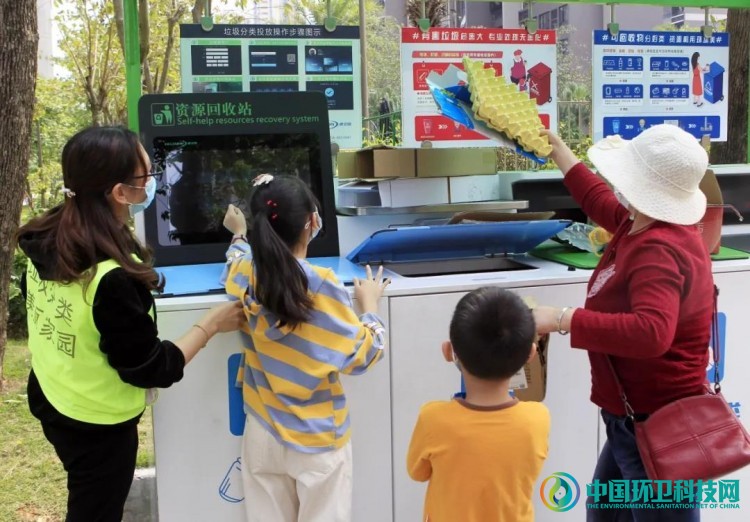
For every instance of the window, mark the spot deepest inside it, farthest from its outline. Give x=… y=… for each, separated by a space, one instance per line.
x=522 y=16
x=553 y=19
x=563 y=15
x=544 y=21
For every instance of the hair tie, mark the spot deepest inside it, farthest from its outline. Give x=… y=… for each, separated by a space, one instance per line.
x=262 y=179
x=68 y=193
x=274 y=216
x=271 y=203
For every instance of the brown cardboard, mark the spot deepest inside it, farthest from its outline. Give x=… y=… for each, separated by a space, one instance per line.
x=346 y=164
x=455 y=162
x=536 y=374
x=376 y=162
x=711 y=222
x=710 y=187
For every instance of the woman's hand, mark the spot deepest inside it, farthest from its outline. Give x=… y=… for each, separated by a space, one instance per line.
x=226 y=317
x=549 y=319
x=234 y=221
x=561 y=153
x=369 y=290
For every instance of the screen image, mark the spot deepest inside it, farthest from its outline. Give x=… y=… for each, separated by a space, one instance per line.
x=267 y=59
x=201 y=175
x=339 y=95
x=203 y=87
x=210 y=60
x=274 y=86
x=328 y=60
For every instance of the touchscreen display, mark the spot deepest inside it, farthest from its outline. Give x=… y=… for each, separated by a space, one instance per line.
x=201 y=175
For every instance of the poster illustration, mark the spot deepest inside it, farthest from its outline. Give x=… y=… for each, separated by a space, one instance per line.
x=645 y=78
x=528 y=61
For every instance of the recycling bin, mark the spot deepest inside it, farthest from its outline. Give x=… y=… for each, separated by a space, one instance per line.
x=713 y=83
x=540 y=83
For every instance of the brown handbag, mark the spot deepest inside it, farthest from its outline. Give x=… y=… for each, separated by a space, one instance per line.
x=694 y=438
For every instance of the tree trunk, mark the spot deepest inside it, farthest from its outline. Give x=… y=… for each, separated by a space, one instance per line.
x=144 y=34
x=120 y=22
x=18 y=55
x=734 y=150
x=198 y=8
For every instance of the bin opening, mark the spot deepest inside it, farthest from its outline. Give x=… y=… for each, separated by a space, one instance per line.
x=454 y=266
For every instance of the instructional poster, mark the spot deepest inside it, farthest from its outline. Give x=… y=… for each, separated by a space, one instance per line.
x=527 y=60
x=645 y=78
x=279 y=58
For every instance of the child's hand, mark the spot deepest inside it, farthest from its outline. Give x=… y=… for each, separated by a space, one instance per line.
x=369 y=290
x=234 y=221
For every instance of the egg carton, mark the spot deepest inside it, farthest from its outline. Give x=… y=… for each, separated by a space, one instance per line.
x=486 y=103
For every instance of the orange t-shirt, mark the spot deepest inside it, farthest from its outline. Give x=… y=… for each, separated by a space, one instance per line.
x=482 y=462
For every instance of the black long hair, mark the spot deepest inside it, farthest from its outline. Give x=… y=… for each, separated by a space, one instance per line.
x=83 y=230
x=694 y=60
x=280 y=210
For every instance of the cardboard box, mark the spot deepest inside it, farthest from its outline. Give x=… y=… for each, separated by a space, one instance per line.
x=376 y=162
x=394 y=193
x=456 y=162
x=711 y=222
x=346 y=164
x=535 y=375
x=464 y=189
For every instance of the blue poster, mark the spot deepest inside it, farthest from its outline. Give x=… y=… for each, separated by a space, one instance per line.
x=646 y=78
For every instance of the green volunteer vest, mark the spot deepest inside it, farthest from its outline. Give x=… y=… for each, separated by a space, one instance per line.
x=65 y=356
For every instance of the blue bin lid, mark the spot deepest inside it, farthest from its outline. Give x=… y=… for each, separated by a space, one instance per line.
x=715 y=69
x=455 y=241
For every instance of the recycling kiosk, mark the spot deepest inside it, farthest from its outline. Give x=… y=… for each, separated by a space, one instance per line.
x=713 y=83
x=208 y=162
x=540 y=83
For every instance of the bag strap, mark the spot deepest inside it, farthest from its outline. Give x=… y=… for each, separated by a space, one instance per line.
x=715 y=344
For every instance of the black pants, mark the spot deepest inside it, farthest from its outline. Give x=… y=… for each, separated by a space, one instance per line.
x=100 y=466
x=99 y=460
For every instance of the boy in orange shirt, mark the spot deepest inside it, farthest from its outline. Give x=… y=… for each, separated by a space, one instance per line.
x=483 y=454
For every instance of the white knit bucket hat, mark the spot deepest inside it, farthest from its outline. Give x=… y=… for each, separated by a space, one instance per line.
x=658 y=172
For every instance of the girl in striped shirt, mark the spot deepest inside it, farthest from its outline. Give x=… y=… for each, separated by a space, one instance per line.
x=301 y=333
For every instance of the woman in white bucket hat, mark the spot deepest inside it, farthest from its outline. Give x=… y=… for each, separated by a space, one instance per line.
x=650 y=299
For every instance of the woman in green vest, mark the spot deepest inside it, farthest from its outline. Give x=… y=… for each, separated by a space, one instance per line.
x=95 y=350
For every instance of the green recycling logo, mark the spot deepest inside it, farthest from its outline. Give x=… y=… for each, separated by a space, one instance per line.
x=162 y=114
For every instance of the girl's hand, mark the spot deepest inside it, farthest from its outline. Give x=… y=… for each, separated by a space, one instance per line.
x=369 y=290
x=234 y=221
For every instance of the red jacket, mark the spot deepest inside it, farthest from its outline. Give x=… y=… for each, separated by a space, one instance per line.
x=649 y=306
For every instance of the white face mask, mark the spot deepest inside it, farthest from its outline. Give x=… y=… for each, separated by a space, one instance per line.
x=624 y=202
x=316 y=227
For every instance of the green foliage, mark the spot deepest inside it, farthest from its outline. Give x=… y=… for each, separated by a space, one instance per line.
x=17 y=328
x=313 y=12
x=93 y=56
x=436 y=11
x=382 y=37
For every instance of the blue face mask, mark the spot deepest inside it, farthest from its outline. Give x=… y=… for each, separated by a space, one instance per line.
x=150 y=189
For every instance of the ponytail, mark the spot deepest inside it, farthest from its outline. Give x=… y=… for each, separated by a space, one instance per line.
x=280 y=281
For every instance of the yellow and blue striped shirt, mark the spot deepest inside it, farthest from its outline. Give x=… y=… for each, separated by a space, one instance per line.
x=290 y=377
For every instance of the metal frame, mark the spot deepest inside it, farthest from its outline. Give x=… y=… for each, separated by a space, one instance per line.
x=133 y=55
